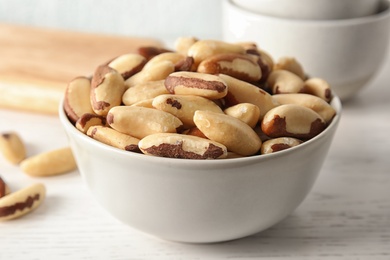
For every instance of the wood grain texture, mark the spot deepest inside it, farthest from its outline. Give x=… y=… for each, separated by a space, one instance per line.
x=37 y=63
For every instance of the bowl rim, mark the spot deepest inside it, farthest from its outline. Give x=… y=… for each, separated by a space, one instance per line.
x=383 y=13
x=69 y=127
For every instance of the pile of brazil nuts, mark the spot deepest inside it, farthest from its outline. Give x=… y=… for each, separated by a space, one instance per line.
x=205 y=99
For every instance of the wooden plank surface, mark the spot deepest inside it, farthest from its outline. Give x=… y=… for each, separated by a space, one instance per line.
x=37 y=63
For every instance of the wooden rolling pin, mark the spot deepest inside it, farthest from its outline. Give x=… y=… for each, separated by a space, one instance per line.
x=37 y=63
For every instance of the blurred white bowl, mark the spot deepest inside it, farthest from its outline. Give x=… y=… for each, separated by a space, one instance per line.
x=311 y=9
x=199 y=200
x=347 y=53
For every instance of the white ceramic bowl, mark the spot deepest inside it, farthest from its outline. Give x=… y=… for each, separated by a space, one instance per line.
x=311 y=9
x=199 y=201
x=347 y=53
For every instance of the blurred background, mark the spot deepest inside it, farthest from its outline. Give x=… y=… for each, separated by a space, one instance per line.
x=166 y=19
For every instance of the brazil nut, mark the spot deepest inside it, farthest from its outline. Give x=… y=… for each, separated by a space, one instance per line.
x=236 y=65
x=181 y=146
x=195 y=83
x=128 y=64
x=113 y=138
x=21 y=202
x=155 y=72
x=143 y=91
x=292 y=120
x=107 y=88
x=284 y=81
x=184 y=106
x=203 y=49
x=324 y=109
x=242 y=92
x=279 y=144
x=141 y=121
x=87 y=120
x=180 y=61
x=318 y=87
x=237 y=136
x=292 y=65
x=12 y=147
x=49 y=163
x=246 y=112
x=77 y=98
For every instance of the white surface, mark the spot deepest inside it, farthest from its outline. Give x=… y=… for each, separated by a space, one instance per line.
x=341 y=51
x=346 y=216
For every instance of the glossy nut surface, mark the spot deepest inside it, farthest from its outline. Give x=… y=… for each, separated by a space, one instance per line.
x=283 y=81
x=324 y=109
x=141 y=121
x=107 y=88
x=203 y=49
x=181 y=146
x=236 y=135
x=195 y=83
x=279 y=144
x=184 y=106
x=77 y=98
x=113 y=138
x=87 y=120
x=236 y=65
x=246 y=112
x=142 y=91
x=158 y=71
x=243 y=92
x=290 y=64
x=128 y=64
x=319 y=87
x=292 y=121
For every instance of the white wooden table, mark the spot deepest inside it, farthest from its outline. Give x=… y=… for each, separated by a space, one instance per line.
x=346 y=216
